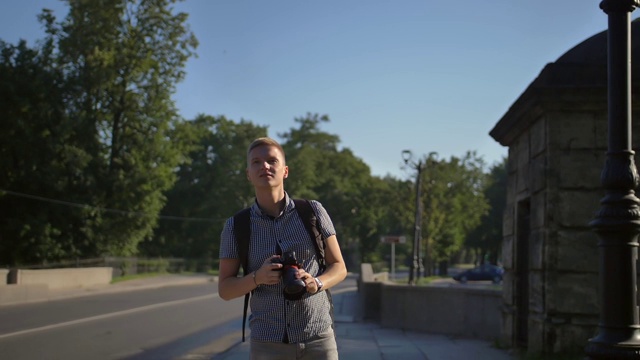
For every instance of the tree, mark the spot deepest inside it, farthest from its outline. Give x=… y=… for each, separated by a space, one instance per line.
x=454 y=204
x=122 y=60
x=211 y=187
x=306 y=148
x=486 y=239
x=38 y=155
x=384 y=210
x=114 y=65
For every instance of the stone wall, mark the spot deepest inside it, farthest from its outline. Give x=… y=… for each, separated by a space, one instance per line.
x=555 y=166
x=578 y=149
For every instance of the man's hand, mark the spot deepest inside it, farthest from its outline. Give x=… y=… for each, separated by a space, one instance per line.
x=309 y=281
x=269 y=273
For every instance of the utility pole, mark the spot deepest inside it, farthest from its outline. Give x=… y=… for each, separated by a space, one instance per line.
x=416 y=265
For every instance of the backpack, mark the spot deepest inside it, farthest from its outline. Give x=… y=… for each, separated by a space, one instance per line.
x=242 y=230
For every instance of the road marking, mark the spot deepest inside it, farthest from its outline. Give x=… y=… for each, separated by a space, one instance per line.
x=134 y=310
x=105 y=316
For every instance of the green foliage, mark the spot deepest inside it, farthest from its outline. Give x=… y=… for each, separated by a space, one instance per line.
x=39 y=154
x=93 y=105
x=211 y=187
x=486 y=239
x=577 y=355
x=124 y=59
x=453 y=204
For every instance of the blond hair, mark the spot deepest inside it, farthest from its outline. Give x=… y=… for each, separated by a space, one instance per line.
x=265 y=141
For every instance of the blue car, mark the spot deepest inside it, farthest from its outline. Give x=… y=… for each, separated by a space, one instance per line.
x=483 y=272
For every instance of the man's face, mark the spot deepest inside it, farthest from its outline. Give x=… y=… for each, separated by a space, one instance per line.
x=266 y=167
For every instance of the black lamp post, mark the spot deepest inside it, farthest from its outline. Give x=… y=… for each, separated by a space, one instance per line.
x=416 y=265
x=617 y=222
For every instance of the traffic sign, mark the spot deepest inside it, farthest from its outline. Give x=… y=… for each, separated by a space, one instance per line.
x=393 y=239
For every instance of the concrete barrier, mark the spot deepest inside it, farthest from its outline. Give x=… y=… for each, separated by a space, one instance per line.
x=466 y=312
x=19 y=294
x=457 y=311
x=4 y=273
x=65 y=278
x=367 y=275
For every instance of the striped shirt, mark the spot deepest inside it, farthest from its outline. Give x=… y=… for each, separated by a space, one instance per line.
x=272 y=316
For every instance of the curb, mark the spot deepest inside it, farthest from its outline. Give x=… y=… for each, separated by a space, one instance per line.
x=129 y=285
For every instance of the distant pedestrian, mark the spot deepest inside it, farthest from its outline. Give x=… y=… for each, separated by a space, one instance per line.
x=283 y=326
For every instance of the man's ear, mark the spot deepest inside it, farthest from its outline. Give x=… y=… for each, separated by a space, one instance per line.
x=246 y=172
x=286 y=172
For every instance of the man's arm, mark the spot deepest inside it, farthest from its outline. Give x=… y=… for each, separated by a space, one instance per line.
x=336 y=269
x=230 y=286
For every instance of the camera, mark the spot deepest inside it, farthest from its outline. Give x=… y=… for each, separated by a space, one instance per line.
x=294 y=287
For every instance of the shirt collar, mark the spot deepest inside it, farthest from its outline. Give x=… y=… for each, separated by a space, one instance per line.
x=288 y=206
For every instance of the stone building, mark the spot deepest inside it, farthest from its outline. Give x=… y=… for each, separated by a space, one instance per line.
x=556 y=132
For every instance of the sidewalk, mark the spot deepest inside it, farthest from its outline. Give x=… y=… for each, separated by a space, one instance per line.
x=369 y=341
x=356 y=339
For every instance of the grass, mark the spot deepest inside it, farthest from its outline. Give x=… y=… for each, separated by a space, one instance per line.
x=422 y=281
x=551 y=356
x=465 y=266
x=154 y=274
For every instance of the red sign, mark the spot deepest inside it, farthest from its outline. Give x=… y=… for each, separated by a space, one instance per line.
x=393 y=239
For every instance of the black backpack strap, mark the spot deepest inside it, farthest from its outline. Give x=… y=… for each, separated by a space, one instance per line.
x=312 y=224
x=242 y=231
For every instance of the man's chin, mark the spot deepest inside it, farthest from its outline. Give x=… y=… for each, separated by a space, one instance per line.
x=268 y=183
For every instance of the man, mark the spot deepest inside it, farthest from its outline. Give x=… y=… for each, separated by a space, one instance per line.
x=281 y=328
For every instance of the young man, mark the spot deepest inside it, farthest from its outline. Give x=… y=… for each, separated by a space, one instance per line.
x=281 y=328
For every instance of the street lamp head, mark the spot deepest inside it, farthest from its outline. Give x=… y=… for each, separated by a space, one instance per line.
x=406 y=156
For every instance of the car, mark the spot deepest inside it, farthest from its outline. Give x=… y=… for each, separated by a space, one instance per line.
x=483 y=272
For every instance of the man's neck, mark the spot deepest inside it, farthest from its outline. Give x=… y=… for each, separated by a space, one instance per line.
x=272 y=203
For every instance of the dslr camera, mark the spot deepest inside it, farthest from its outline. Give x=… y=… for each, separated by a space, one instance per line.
x=294 y=288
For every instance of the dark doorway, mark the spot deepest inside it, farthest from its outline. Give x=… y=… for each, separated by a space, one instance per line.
x=522 y=273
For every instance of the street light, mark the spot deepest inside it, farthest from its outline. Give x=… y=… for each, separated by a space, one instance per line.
x=416 y=265
x=617 y=223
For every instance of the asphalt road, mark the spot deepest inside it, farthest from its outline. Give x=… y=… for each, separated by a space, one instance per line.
x=163 y=323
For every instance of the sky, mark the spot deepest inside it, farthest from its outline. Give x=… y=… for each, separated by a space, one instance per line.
x=392 y=75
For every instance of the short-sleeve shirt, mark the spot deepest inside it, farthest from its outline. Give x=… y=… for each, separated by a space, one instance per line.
x=272 y=316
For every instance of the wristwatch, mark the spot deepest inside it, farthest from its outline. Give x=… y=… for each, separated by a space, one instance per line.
x=319 y=283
